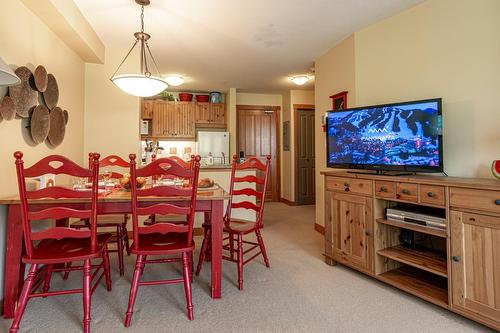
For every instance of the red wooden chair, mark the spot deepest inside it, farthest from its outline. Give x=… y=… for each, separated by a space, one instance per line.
x=56 y=246
x=172 y=219
x=237 y=228
x=120 y=237
x=163 y=238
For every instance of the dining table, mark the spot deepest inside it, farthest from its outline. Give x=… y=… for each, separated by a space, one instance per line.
x=209 y=202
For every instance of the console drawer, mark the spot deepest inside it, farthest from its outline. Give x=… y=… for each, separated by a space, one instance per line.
x=385 y=189
x=475 y=199
x=407 y=192
x=432 y=194
x=351 y=185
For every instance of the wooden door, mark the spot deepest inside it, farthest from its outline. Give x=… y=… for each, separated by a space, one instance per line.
x=349 y=229
x=306 y=184
x=202 y=113
x=184 y=120
x=147 y=109
x=475 y=251
x=162 y=113
x=257 y=137
x=218 y=113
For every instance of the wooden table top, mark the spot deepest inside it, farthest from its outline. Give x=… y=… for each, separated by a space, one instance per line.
x=121 y=196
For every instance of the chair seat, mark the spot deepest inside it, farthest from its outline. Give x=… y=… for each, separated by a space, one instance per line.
x=53 y=251
x=237 y=226
x=102 y=221
x=174 y=219
x=171 y=243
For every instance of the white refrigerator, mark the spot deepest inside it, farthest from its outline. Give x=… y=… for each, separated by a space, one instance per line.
x=216 y=143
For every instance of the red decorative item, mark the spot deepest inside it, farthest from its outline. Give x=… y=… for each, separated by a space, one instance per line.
x=185 y=97
x=163 y=238
x=202 y=98
x=110 y=221
x=495 y=168
x=236 y=228
x=59 y=245
x=339 y=101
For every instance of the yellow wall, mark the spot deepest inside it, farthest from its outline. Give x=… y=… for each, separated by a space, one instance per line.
x=440 y=48
x=26 y=41
x=111 y=116
x=334 y=73
x=231 y=120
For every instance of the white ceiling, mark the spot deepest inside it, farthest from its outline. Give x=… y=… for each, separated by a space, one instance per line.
x=253 y=45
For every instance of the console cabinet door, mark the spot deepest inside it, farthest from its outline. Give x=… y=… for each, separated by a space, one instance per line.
x=349 y=230
x=475 y=250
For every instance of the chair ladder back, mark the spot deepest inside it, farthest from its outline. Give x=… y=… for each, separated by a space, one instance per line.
x=67 y=167
x=154 y=169
x=248 y=165
x=111 y=161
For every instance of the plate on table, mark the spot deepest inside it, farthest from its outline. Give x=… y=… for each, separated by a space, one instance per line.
x=211 y=188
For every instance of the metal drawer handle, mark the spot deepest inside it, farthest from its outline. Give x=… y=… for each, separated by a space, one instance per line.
x=431 y=194
x=347 y=189
x=406 y=191
x=346 y=184
x=383 y=189
x=497 y=202
x=456 y=258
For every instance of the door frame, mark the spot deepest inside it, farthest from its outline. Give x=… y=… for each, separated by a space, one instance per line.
x=296 y=108
x=277 y=110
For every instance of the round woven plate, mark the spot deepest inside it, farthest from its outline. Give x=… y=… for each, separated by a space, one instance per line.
x=51 y=94
x=40 y=124
x=7 y=108
x=57 y=126
x=23 y=95
x=41 y=78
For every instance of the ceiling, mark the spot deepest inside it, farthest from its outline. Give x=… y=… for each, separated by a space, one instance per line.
x=252 y=45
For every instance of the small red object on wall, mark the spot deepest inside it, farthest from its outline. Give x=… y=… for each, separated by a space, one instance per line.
x=339 y=102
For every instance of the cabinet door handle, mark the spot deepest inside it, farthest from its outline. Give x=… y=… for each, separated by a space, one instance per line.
x=456 y=258
x=383 y=189
x=406 y=191
x=347 y=189
x=497 y=202
x=367 y=233
x=431 y=194
x=346 y=184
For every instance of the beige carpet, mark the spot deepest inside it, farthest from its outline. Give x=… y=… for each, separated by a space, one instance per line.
x=299 y=293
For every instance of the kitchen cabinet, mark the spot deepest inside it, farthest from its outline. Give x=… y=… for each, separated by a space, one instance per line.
x=348 y=229
x=147 y=109
x=211 y=115
x=173 y=120
x=475 y=246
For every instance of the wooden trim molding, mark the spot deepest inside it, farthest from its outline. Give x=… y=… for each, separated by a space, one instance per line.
x=319 y=228
x=288 y=202
x=257 y=107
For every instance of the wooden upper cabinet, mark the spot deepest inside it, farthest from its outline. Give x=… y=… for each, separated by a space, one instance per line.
x=475 y=252
x=147 y=109
x=185 y=120
x=211 y=115
x=349 y=229
x=174 y=120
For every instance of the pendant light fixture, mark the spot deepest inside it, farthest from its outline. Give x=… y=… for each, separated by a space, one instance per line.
x=142 y=84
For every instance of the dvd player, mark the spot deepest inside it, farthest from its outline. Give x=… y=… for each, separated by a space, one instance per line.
x=416 y=217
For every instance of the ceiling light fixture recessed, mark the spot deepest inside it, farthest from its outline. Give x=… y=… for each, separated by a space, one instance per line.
x=300 y=79
x=174 y=80
x=143 y=84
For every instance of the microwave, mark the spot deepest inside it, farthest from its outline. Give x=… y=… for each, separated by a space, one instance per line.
x=145 y=127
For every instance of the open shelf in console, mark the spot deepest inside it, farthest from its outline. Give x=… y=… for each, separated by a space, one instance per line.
x=415 y=227
x=423 y=259
x=428 y=286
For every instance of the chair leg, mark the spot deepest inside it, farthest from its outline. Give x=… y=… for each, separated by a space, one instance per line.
x=107 y=270
x=66 y=273
x=240 y=261
x=187 y=284
x=87 y=294
x=48 y=276
x=203 y=250
x=23 y=299
x=125 y=239
x=133 y=289
x=231 y=245
x=191 y=266
x=119 y=247
x=262 y=248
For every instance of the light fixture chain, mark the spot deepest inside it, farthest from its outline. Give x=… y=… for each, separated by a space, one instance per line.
x=142 y=19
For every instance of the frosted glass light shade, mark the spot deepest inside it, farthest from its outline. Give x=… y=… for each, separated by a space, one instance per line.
x=7 y=76
x=300 y=80
x=140 y=85
x=174 y=80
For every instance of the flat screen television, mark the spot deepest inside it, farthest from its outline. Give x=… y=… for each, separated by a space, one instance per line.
x=391 y=137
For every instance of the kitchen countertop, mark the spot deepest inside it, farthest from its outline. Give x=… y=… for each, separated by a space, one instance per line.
x=216 y=167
